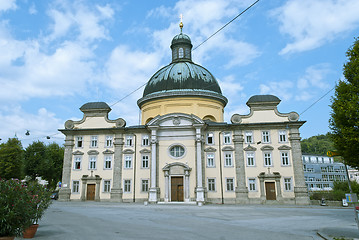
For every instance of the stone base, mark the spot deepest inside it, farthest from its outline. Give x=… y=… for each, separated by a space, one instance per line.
x=242 y=196
x=116 y=195
x=301 y=196
x=199 y=194
x=153 y=195
x=64 y=194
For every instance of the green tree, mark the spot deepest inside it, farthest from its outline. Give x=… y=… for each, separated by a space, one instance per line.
x=344 y=121
x=11 y=159
x=35 y=160
x=319 y=144
x=53 y=164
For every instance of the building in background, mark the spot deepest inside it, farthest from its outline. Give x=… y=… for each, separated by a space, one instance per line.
x=183 y=151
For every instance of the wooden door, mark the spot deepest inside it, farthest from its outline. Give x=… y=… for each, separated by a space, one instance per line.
x=270 y=191
x=91 y=192
x=177 y=189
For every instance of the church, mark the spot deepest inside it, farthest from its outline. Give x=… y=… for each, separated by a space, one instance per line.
x=183 y=151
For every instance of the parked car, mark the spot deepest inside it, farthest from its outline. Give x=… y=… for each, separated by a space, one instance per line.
x=54 y=195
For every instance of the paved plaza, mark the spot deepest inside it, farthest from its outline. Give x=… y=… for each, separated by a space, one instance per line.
x=102 y=220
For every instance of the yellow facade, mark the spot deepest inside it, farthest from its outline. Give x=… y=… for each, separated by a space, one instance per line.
x=204 y=108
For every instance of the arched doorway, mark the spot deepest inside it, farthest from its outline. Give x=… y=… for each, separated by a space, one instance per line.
x=177 y=182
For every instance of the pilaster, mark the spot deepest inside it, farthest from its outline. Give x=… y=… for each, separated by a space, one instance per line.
x=241 y=188
x=199 y=188
x=116 y=190
x=153 y=192
x=65 y=191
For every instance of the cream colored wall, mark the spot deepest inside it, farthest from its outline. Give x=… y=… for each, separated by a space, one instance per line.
x=259 y=116
x=200 y=107
x=94 y=122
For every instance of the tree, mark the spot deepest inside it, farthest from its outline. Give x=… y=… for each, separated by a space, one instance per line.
x=319 y=144
x=344 y=121
x=11 y=159
x=35 y=163
x=53 y=163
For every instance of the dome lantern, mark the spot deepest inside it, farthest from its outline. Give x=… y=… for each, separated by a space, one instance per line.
x=181 y=47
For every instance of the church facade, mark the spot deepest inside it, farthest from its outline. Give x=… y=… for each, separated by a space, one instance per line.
x=183 y=151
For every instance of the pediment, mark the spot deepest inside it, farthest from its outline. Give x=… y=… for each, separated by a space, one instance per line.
x=284 y=147
x=175 y=120
x=77 y=153
x=92 y=152
x=210 y=149
x=228 y=148
x=267 y=148
x=128 y=151
x=108 y=151
x=250 y=148
x=145 y=150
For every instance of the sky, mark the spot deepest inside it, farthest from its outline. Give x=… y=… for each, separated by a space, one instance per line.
x=57 y=55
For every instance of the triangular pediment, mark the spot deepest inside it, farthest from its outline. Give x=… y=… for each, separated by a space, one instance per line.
x=267 y=148
x=284 y=147
x=250 y=148
x=77 y=153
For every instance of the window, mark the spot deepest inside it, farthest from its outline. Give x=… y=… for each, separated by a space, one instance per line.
x=284 y=156
x=128 y=161
x=180 y=52
x=94 y=141
x=145 y=160
x=145 y=140
x=92 y=162
x=108 y=162
x=250 y=159
x=129 y=140
x=287 y=184
x=282 y=136
x=228 y=160
x=79 y=142
x=144 y=187
x=77 y=163
x=227 y=138
x=127 y=186
x=230 y=184
x=109 y=141
x=106 y=185
x=267 y=159
x=210 y=139
x=252 y=184
x=177 y=151
x=211 y=184
x=210 y=160
x=249 y=137
x=265 y=137
x=75 y=186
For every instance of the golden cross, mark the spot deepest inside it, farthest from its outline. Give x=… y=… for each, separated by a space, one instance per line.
x=181 y=24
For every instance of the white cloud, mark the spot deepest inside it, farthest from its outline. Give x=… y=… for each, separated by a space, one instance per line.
x=313 y=23
x=7 y=5
x=314 y=77
x=280 y=89
x=32 y=9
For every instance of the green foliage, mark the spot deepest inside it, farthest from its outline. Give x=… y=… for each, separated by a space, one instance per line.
x=11 y=159
x=54 y=163
x=338 y=192
x=344 y=121
x=40 y=200
x=318 y=145
x=35 y=164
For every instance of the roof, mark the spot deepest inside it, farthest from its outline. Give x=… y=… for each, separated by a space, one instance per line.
x=95 y=105
x=263 y=98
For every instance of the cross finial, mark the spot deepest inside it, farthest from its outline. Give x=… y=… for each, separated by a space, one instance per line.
x=181 y=24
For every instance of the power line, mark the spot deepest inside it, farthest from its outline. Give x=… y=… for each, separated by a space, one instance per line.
x=316 y=101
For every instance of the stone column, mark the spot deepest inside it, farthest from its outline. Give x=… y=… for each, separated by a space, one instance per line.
x=83 y=189
x=153 y=189
x=65 y=191
x=167 y=186
x=97 y=193
x=199 y=188
x=186 y=189
x=279 y=189
x=300 y=190
x=241 y=188
x=116 y=190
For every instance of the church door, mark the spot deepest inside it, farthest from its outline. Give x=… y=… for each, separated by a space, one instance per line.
x=91 y=192
x=270 y=191
x=177 y=189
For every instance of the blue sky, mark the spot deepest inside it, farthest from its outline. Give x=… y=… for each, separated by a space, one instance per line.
x=57 y=55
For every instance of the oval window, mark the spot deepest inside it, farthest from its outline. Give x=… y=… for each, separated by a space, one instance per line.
x=177 y=151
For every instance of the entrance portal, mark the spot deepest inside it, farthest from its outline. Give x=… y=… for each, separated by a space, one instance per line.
x=177 y=189
x=270 y=191
x=91 y=192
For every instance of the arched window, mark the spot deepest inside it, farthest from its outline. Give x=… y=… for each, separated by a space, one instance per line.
x=210 y=118
x=180 y=52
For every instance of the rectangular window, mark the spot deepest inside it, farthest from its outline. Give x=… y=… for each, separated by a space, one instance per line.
x=77 y=162
x=211 y=184
x=108 y=162
x=75 y=186
x=250 y=159
x=265 y=137
x=129 y=140
x=228 y=160
x=106 y=185
x=92 y=162
x=210 y=160
x=127 y=186
x=287 y=184
x=128 y=161
x=267 y=159
x=79 y=142
x=284 y=156
x=109 y=141
x=227 y=138
x=145 y=161
x=210 y=138
x=144 y=187
x=230 y=184
x=94 y=141
x=249 y=137
x=145 y=140
x=282 y=136
x=252 y=184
